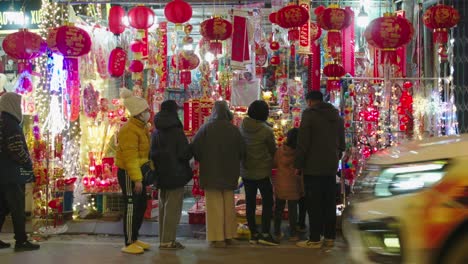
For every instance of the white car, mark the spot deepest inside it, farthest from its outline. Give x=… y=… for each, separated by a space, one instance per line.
x=411 y=204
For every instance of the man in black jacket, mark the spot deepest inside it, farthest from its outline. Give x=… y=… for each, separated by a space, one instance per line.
x=14 y=161
x=320 y=146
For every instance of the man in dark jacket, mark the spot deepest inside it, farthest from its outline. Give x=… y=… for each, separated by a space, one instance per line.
x=320 y=146
x=219 y=148
x=14 y=163
x=256 y=170
x=170 y=152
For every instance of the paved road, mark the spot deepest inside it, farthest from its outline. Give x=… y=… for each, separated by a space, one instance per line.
x=84 y=249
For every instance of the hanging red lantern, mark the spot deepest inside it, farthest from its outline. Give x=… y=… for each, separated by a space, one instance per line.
x=389 y=33
x=71 y=42
x=216 y=30
x=178 y=12
x=274 y=45
x=116 y=15
x=333 y=19
x=441 y=18
x=117 y=59
x=291 y=16
x=24 y=46
x=136 y=68
x=334 y=72
x=141 y=18
x=185 y=61
x=275 y=60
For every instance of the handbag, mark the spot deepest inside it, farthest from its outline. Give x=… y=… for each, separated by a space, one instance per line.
x=149 y=175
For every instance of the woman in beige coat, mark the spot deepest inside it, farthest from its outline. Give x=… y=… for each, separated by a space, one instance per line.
x=287 y=185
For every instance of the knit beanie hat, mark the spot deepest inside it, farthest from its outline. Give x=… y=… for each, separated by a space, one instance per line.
x=11 y=103
x=258 y=110
x=134 y=104
x=169 y=106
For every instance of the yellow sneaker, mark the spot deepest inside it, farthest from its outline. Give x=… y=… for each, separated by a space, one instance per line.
x=132 y=249
x=143 y=245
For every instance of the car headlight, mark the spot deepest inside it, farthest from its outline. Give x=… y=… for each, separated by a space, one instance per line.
x=364 y=186
x=408 y=178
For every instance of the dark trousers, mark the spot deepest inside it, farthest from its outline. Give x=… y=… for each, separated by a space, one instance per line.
x=302 y=212
x=135 y=206
x=12 y=201
x=266 y=191
x=320 y=196
x=292 y=215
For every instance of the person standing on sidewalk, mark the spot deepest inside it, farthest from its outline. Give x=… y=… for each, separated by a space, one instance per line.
x=170 y=153
x=256 y=170
x=14 y=157
x=132 y=159
x=288 y=186
x=219 y=148
x=320 y=146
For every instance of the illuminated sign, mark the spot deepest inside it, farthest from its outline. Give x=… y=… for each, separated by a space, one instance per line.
x=18 y=14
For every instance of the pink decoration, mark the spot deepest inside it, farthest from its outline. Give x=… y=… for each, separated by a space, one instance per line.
x=117 y=59
x=116 y=15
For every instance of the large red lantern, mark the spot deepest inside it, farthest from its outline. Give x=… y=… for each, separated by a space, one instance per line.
x=291 y=16
x=441 y=18
x=389 y=33
x=116 y=15
x=333 y=19
x=185 y=61
x=216 y=30
x=178 y=12
x=136 y=68
x=24 y=46
x=70 y=42
x=334 y=72
x=117 y=59
x=141 y=18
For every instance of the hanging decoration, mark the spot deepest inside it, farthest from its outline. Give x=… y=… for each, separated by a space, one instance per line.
x=334 y=72
x=141 y=18
x=333 y=19
x=240 y=53
x=178 y=12
x=216 y=30
x=70 y=42
x=305 y=31
x=117 y=60
x=185 y=61
x=441 y=18
x=24 y=46
x=115 y=20
x=161 y=57
x=348 y=45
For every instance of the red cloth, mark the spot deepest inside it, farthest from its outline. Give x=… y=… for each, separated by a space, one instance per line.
x=287 y=185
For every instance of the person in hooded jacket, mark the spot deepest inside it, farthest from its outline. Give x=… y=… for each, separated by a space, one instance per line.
x=256 y=170
x=170 y=153
x=132 y=159
x=219 y=148
x=14 y=157
x=320 y=145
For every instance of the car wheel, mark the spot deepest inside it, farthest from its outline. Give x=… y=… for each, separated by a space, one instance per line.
x=457 y=253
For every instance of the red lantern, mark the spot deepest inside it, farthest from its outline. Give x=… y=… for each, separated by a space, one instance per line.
x=333 y=19
x=216 y=30
x=334 y=72
x=117 y=59
x=274 y=45
x=441 y=18
x=24 y=46
x=275 y=60
x=136 y=68
x=141 y=17
x=291 y=16
x=70 y=42
x=389 y=33
x=116 y=15
x=185 y=61
x=178 y=12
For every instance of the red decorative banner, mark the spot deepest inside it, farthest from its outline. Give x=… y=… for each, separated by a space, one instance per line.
x=401 y=52
x=240 y=40
x=145 y=46
x=304 y=31
x=314 y=66
x=348 y=36
x=161 y=57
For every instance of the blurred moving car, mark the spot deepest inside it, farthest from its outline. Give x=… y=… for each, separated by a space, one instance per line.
x=411 y=205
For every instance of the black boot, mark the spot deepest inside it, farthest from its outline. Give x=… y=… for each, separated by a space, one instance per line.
x=26 y=246
x=4 y=245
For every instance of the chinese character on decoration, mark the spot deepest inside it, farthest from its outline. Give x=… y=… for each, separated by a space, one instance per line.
x=216 y=30
x=178 y=12
x=185 y=61
x=333 y=19
x=440 y=18
x=117 y=60
x=388 y=33
x=24 y=46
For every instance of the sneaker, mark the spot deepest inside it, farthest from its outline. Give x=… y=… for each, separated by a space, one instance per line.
x=4 y=245
x=268 y=240
x=329 y=242
x=301 y=229
x=293 y=239
x=26 y=246
x=143 y=245
x=218 y=244
x=231 y=242
x=132 y=249
x=309 y=244
x=254 y=239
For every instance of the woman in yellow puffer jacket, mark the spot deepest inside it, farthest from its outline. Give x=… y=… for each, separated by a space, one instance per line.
x=132 y=159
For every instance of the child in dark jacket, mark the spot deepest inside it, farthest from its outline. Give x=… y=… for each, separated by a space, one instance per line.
x=288 y=185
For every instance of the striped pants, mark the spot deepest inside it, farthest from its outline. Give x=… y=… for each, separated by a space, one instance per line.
x=135 y=207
